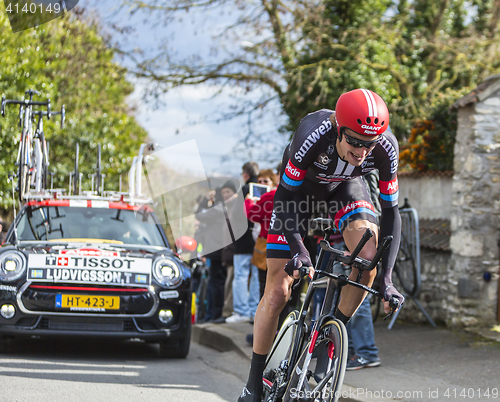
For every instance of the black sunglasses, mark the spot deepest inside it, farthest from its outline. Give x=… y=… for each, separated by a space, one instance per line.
x=358 y=143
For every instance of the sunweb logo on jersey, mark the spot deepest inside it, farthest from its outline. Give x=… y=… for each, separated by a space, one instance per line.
x=312 y=138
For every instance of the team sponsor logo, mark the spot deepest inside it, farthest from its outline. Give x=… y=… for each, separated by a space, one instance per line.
x=325 y=179
x=331 y=149
x=371 y=130
x=281 y=239
x=293 y=176
x=94 y=270
x=389 y=187
x=89 y=262
x=353 y=207
x=367 y=170
x=273 y=219
x=292 y=171
x=324 y=159
x=325 y=126
x=366 y=163
x=391 y=152
x=358 y=204
x=324 y=167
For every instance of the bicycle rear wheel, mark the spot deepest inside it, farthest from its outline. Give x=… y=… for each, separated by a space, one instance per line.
x=405 y=268
x=280 y=351
x=329 y=360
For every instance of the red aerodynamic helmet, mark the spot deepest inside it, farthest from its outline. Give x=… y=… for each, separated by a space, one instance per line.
x=363 y=111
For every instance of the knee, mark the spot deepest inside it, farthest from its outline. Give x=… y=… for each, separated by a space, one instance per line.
x=370 y=274
x=276 y=298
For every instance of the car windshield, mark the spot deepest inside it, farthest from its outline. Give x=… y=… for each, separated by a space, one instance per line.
x=113 y=225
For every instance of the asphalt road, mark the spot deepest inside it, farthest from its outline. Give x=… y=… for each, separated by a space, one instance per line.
x=38 y=370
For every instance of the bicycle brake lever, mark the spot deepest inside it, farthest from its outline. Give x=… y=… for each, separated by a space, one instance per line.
x=303 y=272
x=394 y=305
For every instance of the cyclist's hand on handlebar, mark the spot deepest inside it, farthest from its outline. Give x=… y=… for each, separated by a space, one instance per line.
x=393 y=300
x=300 y=265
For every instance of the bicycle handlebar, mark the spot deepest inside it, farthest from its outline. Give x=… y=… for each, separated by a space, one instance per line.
x=23 y=103
x=344 y=280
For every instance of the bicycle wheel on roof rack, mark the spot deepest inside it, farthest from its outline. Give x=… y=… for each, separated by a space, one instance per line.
x=405 y=268
x=76 y=173
x=22 y=170
x=98 y=173
x=45 y=164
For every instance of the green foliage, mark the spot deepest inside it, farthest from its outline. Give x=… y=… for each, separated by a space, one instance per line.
x=420 y=56
x=68 y=61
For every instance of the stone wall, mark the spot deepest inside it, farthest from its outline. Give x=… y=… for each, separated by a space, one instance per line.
x=435 y=288
x=475 y=214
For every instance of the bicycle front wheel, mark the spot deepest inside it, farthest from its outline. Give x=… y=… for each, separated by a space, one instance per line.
x=325 y=371
x=280 y=351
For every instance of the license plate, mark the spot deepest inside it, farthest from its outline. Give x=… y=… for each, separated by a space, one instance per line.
x=88 y=303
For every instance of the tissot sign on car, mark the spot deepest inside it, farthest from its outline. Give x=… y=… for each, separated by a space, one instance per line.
x=91 y=270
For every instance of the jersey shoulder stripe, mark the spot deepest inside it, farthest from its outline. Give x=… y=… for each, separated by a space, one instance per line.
x=277 y=242
x=293 y=176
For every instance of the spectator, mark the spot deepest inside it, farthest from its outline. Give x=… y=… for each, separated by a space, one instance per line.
x=259 y=210
x=245 y=297
x=211 y=229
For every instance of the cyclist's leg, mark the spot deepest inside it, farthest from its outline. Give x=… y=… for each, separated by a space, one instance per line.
x=276 y=294
x=352 y=297
x=353 y=213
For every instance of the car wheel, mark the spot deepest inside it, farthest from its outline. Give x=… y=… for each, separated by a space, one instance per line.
x=176 y=350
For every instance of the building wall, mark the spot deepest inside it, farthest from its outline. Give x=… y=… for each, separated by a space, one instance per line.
x=475 y=215
x=435 y=288
x=430 y=194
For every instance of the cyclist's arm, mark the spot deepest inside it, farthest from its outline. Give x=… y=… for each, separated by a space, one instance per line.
x=390 y=224
x=387 y=154
x=284 y=209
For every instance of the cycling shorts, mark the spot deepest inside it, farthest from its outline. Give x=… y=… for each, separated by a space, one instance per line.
x=348 y=202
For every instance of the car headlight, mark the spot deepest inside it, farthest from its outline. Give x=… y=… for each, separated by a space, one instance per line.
x=167 y=272
x=12 y=265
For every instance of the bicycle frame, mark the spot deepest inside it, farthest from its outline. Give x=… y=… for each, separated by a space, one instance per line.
x=333 y=284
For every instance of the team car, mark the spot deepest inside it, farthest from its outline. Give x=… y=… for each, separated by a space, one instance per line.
x=95 y=267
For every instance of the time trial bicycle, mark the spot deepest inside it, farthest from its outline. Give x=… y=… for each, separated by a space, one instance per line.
x=309 y=365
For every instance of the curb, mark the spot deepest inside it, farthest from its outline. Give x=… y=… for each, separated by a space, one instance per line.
x=218 y=337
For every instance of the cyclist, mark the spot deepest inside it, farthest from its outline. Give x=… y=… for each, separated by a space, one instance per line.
x=324 y=162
